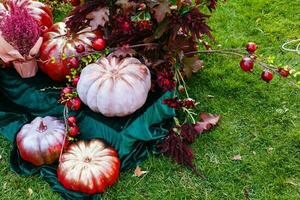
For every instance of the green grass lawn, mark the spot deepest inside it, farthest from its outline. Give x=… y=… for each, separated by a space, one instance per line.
x=260 y=121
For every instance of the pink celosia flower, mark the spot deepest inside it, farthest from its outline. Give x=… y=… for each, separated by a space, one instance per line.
x=20 y=29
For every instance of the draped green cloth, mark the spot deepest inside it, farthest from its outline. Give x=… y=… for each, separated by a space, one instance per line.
x=133 y=136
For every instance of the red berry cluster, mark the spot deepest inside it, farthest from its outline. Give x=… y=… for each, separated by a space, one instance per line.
x=74 y=2
x=144 y=25
x=176 y=103
x=69 y=97
x=247 y=64
x=68 y=94
x=126 y=25
x=73 y=65
x=165 y=80
x=73 y=129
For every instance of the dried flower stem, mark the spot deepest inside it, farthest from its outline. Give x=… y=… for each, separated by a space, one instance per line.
x=66 y=115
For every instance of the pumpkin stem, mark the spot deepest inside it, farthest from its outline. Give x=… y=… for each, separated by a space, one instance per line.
x=42 y=127
x=87 y=159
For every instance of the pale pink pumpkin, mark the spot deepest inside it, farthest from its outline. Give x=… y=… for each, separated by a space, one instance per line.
x=114 y=87
x=41 y=141
x=89 y=167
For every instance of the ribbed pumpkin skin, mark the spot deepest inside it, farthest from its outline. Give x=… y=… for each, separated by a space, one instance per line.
x=89 y=167
x=58 y=45
x=39 y=11
x=114 y=87
x=38 y=145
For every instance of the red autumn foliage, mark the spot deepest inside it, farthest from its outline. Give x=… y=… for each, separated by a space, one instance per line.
x=175 y=145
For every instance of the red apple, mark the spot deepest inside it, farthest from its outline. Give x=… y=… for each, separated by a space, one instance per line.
x=74 y=104
x=73 y=62
x=267 y=75
x=80 y=48
x=75 y=81
x=247 y=64
x=72 y=120
x=99 y=44
x=251 y=47
x=73 y=131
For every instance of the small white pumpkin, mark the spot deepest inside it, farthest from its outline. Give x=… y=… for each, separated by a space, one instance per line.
x=41 y=141
x=114 y=87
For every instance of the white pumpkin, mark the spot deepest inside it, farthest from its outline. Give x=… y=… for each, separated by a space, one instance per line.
x=114 y=87
x=41 y=141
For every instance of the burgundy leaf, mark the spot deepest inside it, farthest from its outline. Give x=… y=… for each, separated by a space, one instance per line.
x=165 y=80
x=123 y=52
x=98 y=17
x=188 y=133
x=174 y=148
x=78 y=19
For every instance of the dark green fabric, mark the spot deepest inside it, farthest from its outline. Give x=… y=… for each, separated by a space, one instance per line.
x=21 y=101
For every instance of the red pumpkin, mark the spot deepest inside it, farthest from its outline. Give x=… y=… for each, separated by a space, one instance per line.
x=39 y=11
x=88 y=167
x=58 y=45
x=41 y=141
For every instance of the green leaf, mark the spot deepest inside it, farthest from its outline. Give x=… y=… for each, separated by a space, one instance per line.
x=141 y=16
x=185 y=9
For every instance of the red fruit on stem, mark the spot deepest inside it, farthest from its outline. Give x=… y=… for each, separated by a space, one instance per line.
x=72 y=121
x=247 y=64
x=99 y=44
x=126 y=26
x=67 y=143
x=80 y=48
x=267 y=75
x=73 y=62
x=74 y=103
x=75 y=81
x=144 y=25
x=66 y=90
x=75 y=2
x=283 y=72
x=251 y=47
x=73 y=131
